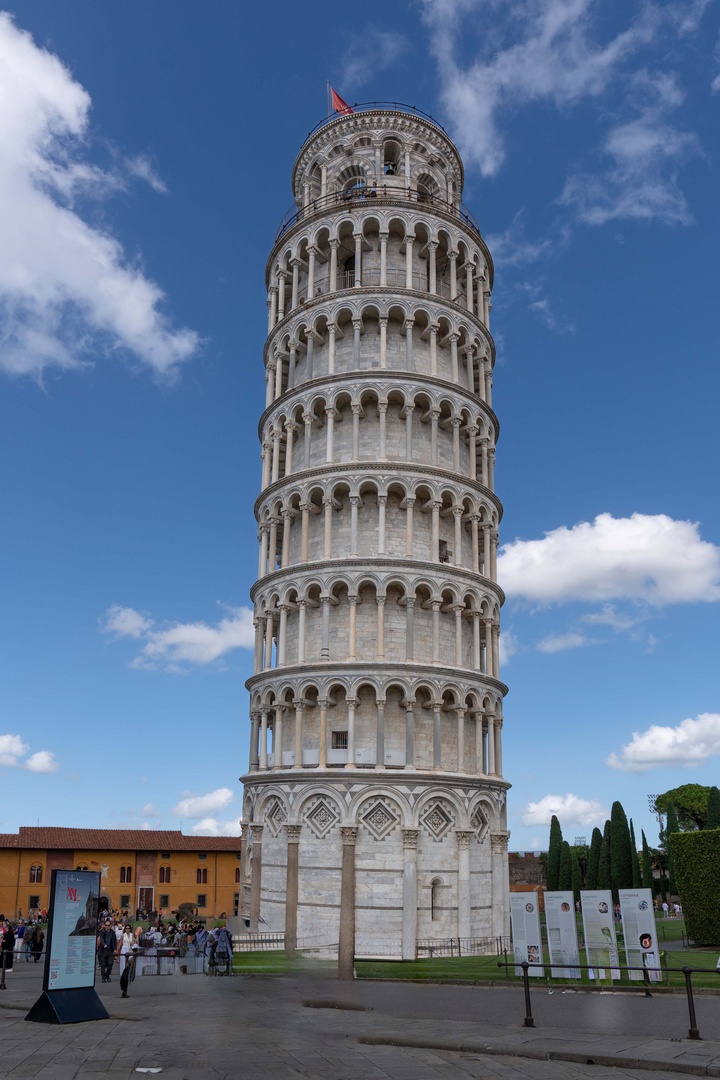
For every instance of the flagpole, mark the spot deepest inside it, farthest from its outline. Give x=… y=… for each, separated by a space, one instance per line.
x=327 y=83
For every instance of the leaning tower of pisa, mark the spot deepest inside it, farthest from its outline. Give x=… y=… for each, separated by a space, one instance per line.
x=374 y=807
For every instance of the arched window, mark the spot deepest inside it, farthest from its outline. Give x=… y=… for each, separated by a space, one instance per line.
x=237 y=875
x=202 y=876
x=125 y=874
x=435 y=886
x=35 y=875
x=165 y=875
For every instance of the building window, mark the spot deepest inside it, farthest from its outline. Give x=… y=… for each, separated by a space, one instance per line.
x=237 y=875
x=202 y=900
x=202 y=854
x=125 y=875
x=202 y=876
x=238 y=856
x=124 y=900
x=339 y=740
x=164 y=900
x=81 y=867
x=165 y=855
x=35 y=875
x=164 y=875
x=33 y=902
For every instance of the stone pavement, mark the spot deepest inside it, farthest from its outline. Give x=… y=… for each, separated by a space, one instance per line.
x=252 y=1027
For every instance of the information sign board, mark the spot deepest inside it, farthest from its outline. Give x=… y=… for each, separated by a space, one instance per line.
x=599 y=929
x=561 y=927
x=640 y=932
x=72 y=936
x=525 y=921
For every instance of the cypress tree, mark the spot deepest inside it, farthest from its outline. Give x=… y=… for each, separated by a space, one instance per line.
x=621 y=873
x=576 y=875
x=670 y=828
x=565 y=875
x=713 y=810
x=636 y=875
x=604 y=879
x=647 y=874
x=553 y=863
x=594 y=859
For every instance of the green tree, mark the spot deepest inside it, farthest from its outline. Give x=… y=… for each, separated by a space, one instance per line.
x=604 y=878
x=576 y=875
x=565 y=875
x=621 y=872
x=594 y=859
x=690 y=802
x=713 y=809
x=671 y=827
x=636 y=875
x=647 y=874
x=553 y=863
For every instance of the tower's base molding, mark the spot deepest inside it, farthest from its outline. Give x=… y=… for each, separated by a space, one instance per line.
x=395 y=866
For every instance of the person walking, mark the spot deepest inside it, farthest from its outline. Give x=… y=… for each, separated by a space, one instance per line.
x=8 y=947
x=128 y=974
x=38 y=943
x=28 y=941
x=666 y=909
x=125 y=947
x=106 y=945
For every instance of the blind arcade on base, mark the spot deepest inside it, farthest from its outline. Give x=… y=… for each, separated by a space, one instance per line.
x=69 y=994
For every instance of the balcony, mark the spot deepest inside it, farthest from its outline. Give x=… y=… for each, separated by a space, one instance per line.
x=397 y=279
x=359 y=197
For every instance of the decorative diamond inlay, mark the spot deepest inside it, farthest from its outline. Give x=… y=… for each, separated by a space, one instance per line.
x=321 y=817
x=379 y=819
x=437 y=819
x=479 y=824
x=275 y=817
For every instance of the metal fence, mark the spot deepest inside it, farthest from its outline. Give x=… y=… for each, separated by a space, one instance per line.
x=493 y=946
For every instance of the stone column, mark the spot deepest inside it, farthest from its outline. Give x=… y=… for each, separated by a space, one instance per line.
x=472 y=450
x=263 y=556
x=282 y=281
x=292 y=345
x=356 y=432
x=289 y=440
x=382 y=503
x=327 y=534
x=496 y=651
x=474 y=540
x=333 y=264
x=304 y=531
x=259 y=637
x=460 y=740
x=488 y=648
x=380 y=742
x=357 y=237
x=434 y=418
x=435 y=631
x=486 y=552
x=351 y=706
x=329 y=449
x=245 y=831
x=498 y=745
x=312 y=252
x=357 y=327
x=354 y=503
x=383 y=342
x=437 y=732
x=433 y=349
x=322 y=702
x=479 y=744
x=500 y=884
x=278 y=736
x=256 y=877
x=493 y=556
x=380 y=600
x=291 y=888
x=272 y=308
x=295 y=263
x=409 y=506
x=409 y=922
x=346 y=949
x=352 y=642
x=432 y=269
x=409 y=628
x=307 y=421
x=276 y=436
x=298 y=733
x=383 y=258
x=453 y=356
x=268 y=640
x=382 y=413
x=254 y=741
x=331 y=347
x=409 y=734
x=456 y=422
x=409 y=362
x=458 y=609
x=408 y=261
x=302 y=608
x=491 y=744
x=452 y=256
x=476 y=640
x=464 y=836
x=282 y=634
x=435 y=531
x=266 y=456
x=491 y=468
x=263 y=739
x=278 y=375
x=469 y=288
x=287 y=516
x=310 y=354
x=409 y=410
x=457 y=515
x=272 y=546
x=325 y=636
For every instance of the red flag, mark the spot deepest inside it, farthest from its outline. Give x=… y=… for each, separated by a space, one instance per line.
x=339 y=105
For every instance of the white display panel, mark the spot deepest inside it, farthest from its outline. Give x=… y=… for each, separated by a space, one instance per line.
x=599 y=929
x=527 y=940
x=73 y=930
x=561 y=926
x=640 y=932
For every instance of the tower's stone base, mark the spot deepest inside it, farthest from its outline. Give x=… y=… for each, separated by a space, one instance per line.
x=429 y=858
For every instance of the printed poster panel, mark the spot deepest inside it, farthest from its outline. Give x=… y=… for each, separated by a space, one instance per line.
x=599 y=929
x=525 y=922
x=72 y=935
x=561 y=927
x=638 y=919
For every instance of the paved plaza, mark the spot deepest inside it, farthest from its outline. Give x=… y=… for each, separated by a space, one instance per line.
x=250 y=1027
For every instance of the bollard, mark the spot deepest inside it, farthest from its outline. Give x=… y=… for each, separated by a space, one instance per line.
x=693 y=1033
x=528 y=1021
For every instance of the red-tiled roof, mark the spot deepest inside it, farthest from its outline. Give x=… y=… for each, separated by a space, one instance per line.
x=116 y=840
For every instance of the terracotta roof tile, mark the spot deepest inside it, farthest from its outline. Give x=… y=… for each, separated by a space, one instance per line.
x=116 y=840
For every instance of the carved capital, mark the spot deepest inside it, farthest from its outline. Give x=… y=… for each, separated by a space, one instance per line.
x=293 y=833
x=349 y=834
x=410 y=838
x=256 y=832
x=464 y=836
x=499 y=842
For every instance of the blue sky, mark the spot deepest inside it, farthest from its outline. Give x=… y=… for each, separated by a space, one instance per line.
x=145 y=156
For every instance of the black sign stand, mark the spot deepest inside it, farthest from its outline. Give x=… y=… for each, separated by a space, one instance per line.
x=76 y=1004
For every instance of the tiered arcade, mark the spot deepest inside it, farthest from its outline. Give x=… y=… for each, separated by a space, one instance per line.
x=375 y=806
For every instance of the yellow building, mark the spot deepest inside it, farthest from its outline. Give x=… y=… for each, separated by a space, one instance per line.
x=140 y=868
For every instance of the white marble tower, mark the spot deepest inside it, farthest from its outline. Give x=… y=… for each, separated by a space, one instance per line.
x=374 y=808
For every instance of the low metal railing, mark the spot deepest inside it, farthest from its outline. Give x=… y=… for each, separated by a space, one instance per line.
x=429 y=947
x=382 y=193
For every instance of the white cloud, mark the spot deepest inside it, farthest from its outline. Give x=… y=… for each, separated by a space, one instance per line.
x=199 y=806
x=569 y=809
x=67 y=290
x=13 y=750
x=42 y=762
x=690 y=743
x=143 y=169
x=212 y=826
x=509 y=646
x=644 y=557
x=512 y=248
x=181 y=644
x=646 y=154
x=369 y=52
x=125 y=622
x=608 y=616
x=560 y=642
x=531 y=50
x=149 y=810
